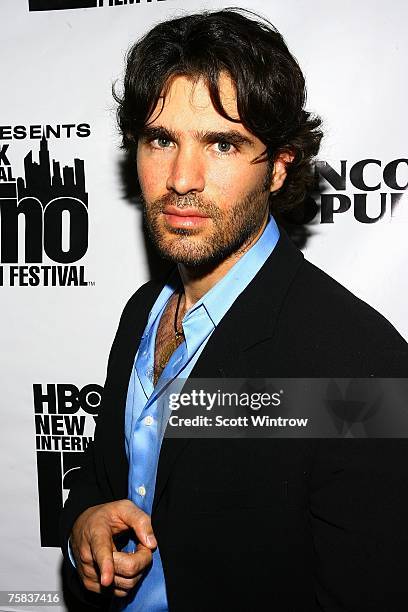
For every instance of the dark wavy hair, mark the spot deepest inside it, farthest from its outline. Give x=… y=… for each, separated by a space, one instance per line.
x=270 y=86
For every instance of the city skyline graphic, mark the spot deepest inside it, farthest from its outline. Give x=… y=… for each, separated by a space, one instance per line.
x=46 y=181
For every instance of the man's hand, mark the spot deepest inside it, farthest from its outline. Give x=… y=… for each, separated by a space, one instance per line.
x=98 y=562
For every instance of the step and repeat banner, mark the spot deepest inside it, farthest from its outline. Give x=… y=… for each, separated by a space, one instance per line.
x=72 y=246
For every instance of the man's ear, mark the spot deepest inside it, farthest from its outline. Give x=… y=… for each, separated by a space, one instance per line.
x=279 y=169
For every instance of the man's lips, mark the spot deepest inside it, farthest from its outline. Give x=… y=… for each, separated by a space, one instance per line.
x=183 y=212
x=184 y=217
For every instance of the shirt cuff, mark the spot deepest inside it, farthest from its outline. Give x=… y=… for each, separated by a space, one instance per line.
x=70 y=554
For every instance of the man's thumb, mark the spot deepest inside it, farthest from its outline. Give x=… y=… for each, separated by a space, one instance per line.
x=141 y=524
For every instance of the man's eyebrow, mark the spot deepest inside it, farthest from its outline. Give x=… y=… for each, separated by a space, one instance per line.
x=232 y=136
x=158 y=131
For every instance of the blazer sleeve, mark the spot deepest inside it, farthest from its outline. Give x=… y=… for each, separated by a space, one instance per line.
x=88 y=487
x=86 y=490
x=358 y=514
x=84 y=494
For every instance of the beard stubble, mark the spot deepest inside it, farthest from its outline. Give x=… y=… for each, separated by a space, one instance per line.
x=233 y=229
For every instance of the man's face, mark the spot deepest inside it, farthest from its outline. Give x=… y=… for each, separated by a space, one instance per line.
x=203 y=198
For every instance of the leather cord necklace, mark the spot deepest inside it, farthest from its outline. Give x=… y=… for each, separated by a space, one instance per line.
x=178 y=334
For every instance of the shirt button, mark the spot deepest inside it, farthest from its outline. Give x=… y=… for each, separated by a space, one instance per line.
x=149 y=420
x=141 y=490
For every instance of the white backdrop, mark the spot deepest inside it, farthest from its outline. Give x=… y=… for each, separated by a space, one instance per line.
x=57 y=68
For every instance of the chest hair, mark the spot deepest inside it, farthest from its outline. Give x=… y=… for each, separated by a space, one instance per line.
x=166 y=344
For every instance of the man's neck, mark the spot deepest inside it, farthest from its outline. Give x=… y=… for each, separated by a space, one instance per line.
x=197 y=280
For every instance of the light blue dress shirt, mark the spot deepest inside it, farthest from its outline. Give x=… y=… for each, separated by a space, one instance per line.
x=146 y=417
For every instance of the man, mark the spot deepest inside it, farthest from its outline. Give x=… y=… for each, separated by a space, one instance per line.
x=213 y=109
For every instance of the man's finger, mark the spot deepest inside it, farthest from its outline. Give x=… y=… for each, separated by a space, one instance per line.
x=95 y=587
x=120 y=593
x=129 y=565
x=89 y=571
x=101 y=546
x=83 y=554
x=141 y=524
x=126 y=584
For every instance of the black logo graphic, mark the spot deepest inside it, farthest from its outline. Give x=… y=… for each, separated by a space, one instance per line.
x=64 y=423
x=54 y=204
x=45 y=185
x=361 y=201
x=55 y=5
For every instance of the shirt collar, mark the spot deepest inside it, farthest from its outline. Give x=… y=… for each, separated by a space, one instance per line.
x=222 y=295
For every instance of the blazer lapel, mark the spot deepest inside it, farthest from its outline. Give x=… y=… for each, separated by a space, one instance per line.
x=250 y=320
x=111 y=425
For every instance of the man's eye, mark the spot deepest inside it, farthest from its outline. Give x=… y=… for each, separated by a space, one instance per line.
x=161 y=143
x=224 y=147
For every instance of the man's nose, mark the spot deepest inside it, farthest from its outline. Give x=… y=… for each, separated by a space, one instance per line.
x=186 y=172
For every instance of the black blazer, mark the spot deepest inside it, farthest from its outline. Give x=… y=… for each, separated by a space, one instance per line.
x=269 y=524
